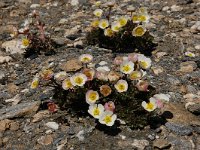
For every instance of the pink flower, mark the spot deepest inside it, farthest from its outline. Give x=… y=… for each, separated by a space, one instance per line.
x=133 y=57
x=159 y=103
x=118 y=60
x=142 y=85
x=109 y=106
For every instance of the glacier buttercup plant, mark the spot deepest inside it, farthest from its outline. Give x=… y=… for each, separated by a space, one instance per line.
x=121 y=33
x=105 y=91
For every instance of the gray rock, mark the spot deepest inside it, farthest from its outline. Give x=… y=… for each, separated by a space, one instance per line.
x=2 y=75
x=195 y=108
x=180 y=144
x=179 y=129
x=19 y=110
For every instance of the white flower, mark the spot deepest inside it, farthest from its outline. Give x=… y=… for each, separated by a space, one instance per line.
x=139 y=31
x=144 y=62
x=25 y=43
x=35 y=83
x=66 y=84
x=122 y=21
x=108 y=118
x=144 y=18
x=103 y=23
x=121 y=86
x=98 y=12
x=189 y=54
x=98 y=3
x=143 y=10
x=127 y=67
x=135 y=18
x=96 y=110
x=108 y=32
x=162 y=97
x=92 y=96
x=60 y=75
x=103 y=69
x=85 y=58
x=135 y=75
x=78 y=79
x=150 y=106
x=115 y=26
x=102 y=75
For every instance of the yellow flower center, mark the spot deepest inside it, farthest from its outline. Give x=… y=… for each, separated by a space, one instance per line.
x=108 y=32
x=98 y=14
x=93 y=96
x=135 y=18
x=107 y=119
x=142 y=18
x=78 y=80
x=121 y=87
x=143 y=64
x=35 y=84
x=122 y=21
x=116 y=28
x=95 y=23
x=139 y=31
x=86 y=59
x=96 y=112
x=134 y=75
x=126 y=68
x=68 y=84
x=104 y=24
x=25 y=42
x=88 y=74
x=149 y=106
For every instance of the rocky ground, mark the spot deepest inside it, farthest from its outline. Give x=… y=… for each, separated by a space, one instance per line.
x=24 y=125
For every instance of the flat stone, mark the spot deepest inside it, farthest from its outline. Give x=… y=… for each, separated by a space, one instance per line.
x=19 y=110
x=45 y=140
x=179 y=128
x=15 y=100
x=197 y=47
x=14 y=126
x=61 y=41
x=35 y=5
x=13 y=47
x=161 y=143
x=74 y=2
x=41 y=115
x=157 y=70
x=194 y=108
x=176 y=8
x=4 y=124
x=72 y=31
x=2 y=75
x=63 y=21
x=178 y=115
x=71 y=65
x=188 y=66
x=78 y=44
x=140 y=144
x=5 y=59
x=52 y=125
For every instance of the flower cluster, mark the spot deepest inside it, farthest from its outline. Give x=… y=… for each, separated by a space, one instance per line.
x=105 y=86
x=139 y=18
x=33 y=36
x=128 y=28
